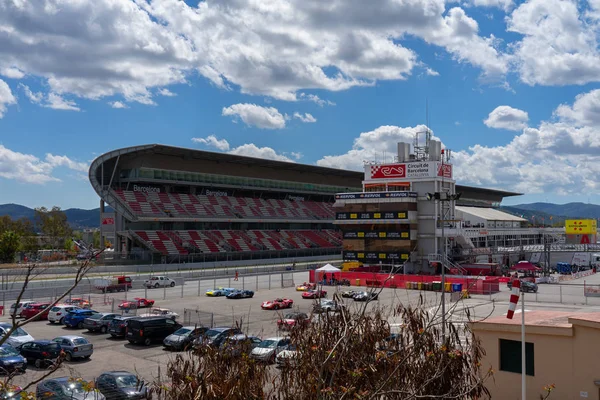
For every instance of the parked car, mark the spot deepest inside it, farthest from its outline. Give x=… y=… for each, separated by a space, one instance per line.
x=59 y=311
x=277 y=304
x=159 y=281
x=526 y=286
x=292 y=320
x=268 y=349
x=79 y=302
x=215 y=336
x=65 y=388
x=16 y=309
x=365 y=296
x=137 y=302
x=287 y=357
x=118 y=326
x=148 y=330
x=327 y=305
x=117 y=385
x=40 y=352
x=241 y=294
x=98 y=322
x=17 y=336
x=314 y=294
x=182 y=338
x=75 y=318
x=34 y=309
x=220 y=291
x=75 y=346
x=160 y=312
x=11 y=361
x=239 y=344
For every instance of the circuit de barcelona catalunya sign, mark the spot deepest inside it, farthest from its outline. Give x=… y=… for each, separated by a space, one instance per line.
x=408 y=171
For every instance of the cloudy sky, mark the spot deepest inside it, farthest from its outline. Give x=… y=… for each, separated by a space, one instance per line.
x=512 y=87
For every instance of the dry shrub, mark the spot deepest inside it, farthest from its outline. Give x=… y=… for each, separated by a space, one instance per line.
x=347 y=355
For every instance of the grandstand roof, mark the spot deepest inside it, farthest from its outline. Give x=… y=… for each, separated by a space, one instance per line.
x=489 y=214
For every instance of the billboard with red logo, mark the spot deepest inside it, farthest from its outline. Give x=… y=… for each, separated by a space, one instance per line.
x=408 y=171
x=388 y=171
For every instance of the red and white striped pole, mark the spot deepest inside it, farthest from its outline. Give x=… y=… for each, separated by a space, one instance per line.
x=514 y=298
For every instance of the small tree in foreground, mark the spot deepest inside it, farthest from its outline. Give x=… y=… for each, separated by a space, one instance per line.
x=349 y=355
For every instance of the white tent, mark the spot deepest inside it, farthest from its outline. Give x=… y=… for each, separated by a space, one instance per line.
x=328 y=268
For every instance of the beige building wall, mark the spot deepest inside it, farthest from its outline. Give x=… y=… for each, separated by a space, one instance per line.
x=566 y=354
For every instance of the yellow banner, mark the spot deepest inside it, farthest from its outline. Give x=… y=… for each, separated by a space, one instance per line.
x=581 y=227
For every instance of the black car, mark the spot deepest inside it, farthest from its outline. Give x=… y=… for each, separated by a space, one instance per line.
x=240 y=294
x=41 y=352
x=150 y=329
x=216 y=336
x=365 y=296
x=182 y=338
x=116 y=385
x=118 y=326
x=526 y=286
x=11 y=361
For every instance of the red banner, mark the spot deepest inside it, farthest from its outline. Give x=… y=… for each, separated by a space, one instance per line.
x=388 y=171
x=445 y=170
x=108 y=221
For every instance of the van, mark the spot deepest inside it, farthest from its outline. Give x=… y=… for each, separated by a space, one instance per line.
x=150 y=329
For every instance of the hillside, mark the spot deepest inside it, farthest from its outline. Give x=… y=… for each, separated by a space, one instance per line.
x=569 y=210
x=78 y=218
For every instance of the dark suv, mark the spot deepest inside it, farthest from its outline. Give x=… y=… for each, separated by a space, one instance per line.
x=150 y=329
x=118 y=326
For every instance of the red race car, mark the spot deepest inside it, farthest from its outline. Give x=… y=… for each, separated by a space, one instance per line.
x=293 y=320
x=138 y=302
x=314 y=294
x=277 y=304
x=34 y=309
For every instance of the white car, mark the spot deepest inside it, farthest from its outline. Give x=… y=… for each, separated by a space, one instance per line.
x=19 y=307
x=268 y=349
x=17 y=337
x=287 y=357
x=159 y=312
x=159 y=281
x=59 y=311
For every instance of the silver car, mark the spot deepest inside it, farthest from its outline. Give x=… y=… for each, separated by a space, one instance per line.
x=75 y=346
x=17 y=336
x=65 y=388
x=268 y=349
x=98 y=322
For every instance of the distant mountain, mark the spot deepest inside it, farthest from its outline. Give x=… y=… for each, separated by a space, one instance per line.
x=537 y=217
x=569 y=210
x=78 y=218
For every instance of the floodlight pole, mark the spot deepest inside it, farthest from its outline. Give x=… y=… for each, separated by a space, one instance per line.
x=443 y=271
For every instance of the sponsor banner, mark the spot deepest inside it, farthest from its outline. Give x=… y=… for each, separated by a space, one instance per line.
x=581 y=227
x=346 y=216
x=384 y=256
x=216 y=193
x=375 y=195
x=107 y=222
x=408 y=171
x=405 y=235
x=146 y=189
x=295 y=198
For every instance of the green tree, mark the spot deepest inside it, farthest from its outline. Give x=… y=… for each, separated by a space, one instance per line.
x=53 y=225
x=9 y=245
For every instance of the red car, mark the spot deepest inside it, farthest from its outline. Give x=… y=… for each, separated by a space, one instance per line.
x=34 y=309
x=138 y=302
x=277 y=304
x=293 y=320
x=314 y=294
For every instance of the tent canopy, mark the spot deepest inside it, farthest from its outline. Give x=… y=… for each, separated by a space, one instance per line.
x=525 y=266
x=328 y=268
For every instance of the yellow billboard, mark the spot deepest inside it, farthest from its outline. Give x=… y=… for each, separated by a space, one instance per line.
x=581 y=227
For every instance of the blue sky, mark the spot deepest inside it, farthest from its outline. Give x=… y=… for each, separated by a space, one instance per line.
x=512 y=87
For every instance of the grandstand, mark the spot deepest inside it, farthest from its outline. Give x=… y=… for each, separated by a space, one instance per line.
x=179 y=204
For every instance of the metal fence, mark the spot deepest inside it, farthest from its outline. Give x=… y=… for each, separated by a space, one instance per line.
x=549 y=293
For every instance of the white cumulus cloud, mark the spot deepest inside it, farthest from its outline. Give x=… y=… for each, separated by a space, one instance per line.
x=51 y=100
x=254 y=115
x=252 y=150
x=506 y=117
x=307 y=118
x=118 y=104
x=6 y=97
x=212 y=141
x=12 y=73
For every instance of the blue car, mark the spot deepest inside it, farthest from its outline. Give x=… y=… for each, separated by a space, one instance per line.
x=11 y=361
x=241 y=294
x=74 y=319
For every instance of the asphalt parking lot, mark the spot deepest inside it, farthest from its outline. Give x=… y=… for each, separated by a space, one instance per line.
x=149 y=362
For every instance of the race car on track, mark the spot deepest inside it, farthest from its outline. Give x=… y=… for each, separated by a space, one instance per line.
x=349 y=293
x=220 y=291
x=314 y=294
x=277 y=304
x=79 y=302
x=241 y=294
x=137 y=302
x=305 y=287
x=365 y=296
x=292 y=320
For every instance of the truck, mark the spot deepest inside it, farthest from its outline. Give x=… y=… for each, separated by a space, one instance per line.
x=114 y=284
x=586 y=260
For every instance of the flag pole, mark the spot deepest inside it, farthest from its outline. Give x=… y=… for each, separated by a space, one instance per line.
x=523 y=363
